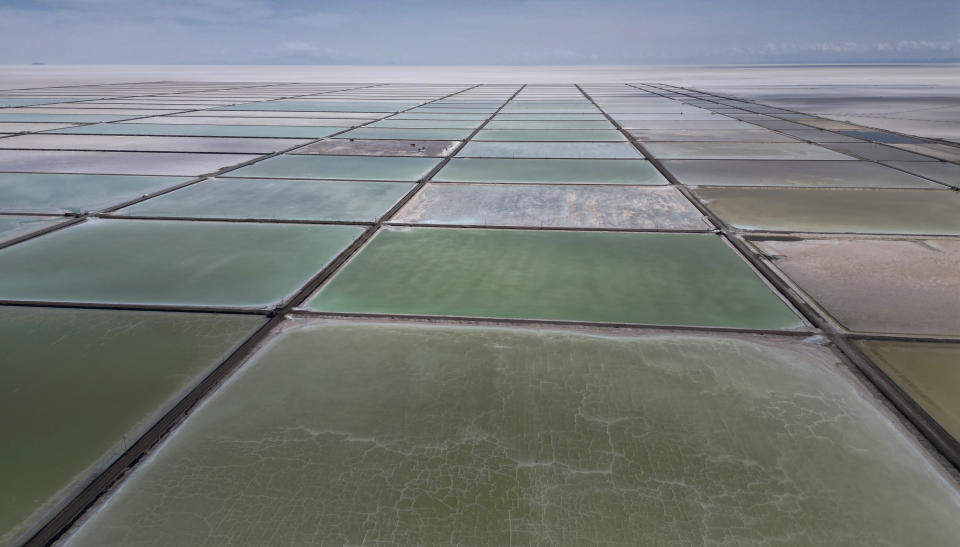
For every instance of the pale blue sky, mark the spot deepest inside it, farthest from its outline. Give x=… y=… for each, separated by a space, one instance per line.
x=491 y=32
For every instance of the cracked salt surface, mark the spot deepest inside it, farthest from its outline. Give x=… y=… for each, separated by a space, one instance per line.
x=77 y=386
x=373 y=433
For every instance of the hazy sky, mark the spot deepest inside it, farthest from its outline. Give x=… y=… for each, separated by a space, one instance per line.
x=515 y=32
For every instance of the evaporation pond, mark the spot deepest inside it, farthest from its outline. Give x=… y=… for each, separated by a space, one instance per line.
x=932 y=212
x=364 y=433
x=339 y=167
x=79 y=386
x=565 y=205
x=550 y=171
x=170 y=262
x=672 y=279
x=895 y=286
x=280 y=199
x=60 y=193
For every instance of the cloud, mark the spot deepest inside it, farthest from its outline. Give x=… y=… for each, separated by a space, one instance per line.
x=826 y=51
x=921 y=45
